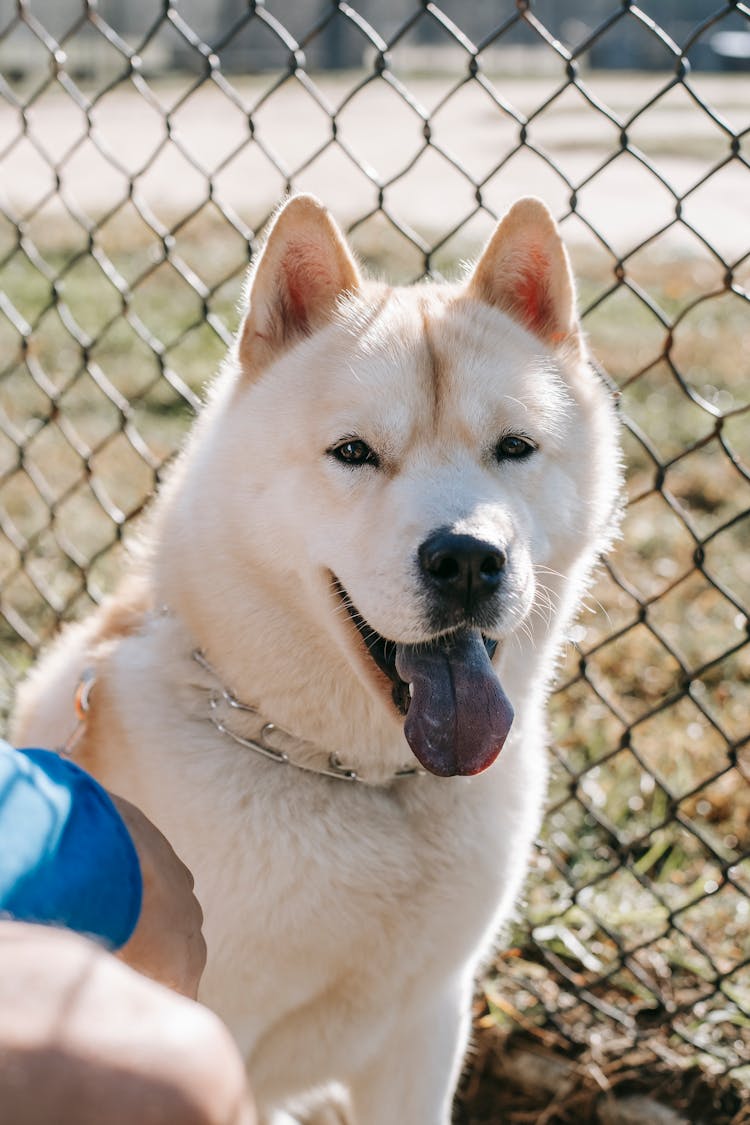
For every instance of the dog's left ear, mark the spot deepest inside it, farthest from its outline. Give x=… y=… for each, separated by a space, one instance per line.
x=304 y=269
x=525 y=272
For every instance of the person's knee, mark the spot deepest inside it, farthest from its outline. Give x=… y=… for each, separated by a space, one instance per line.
x=211 y=1069
x=85 y=1039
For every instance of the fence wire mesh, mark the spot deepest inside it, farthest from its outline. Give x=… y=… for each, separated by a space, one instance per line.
x=143 y=146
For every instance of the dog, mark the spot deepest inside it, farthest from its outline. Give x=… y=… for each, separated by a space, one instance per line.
x=325 y=677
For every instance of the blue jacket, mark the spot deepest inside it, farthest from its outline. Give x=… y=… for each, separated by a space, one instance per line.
x=66 y=857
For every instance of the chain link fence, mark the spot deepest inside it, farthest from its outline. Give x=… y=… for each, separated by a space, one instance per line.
x=144 y=145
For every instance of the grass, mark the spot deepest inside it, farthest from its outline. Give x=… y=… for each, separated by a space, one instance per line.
x=638 y=900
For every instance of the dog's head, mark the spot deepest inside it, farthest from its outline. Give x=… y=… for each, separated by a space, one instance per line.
x=414 y=459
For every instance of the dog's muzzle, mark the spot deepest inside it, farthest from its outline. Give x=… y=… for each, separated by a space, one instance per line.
x=457 y=714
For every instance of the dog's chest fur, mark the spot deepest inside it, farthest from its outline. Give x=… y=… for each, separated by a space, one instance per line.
x=310 y=885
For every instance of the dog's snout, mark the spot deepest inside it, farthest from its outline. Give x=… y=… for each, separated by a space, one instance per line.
x=461 y=568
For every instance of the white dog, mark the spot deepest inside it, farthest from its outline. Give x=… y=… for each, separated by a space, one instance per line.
x=326 y=681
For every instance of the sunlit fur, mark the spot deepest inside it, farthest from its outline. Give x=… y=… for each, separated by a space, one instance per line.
x=345 y=922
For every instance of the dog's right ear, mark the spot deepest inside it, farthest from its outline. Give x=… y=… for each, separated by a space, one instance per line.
x=304 y=269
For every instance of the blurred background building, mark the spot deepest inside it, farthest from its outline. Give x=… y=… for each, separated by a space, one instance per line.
x=245 y=44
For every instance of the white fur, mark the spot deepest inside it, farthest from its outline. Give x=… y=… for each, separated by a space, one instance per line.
x=346 y=922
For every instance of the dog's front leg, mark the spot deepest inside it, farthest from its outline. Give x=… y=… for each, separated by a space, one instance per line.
x=413 y=1078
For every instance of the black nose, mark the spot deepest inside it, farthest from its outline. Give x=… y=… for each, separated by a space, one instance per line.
x=462 y=569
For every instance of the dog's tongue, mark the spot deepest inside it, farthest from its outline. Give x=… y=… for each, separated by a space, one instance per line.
x=459 y=716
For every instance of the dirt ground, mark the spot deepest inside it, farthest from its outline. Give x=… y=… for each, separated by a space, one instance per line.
x=539 y=1079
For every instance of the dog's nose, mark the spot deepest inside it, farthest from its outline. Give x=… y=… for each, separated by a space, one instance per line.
x=462 y=569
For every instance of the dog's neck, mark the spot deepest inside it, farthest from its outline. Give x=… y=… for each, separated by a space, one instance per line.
x=230 y=715
x=279 y=687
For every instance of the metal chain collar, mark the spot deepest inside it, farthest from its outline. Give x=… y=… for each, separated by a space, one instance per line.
x=261 y=745
x=334 y=768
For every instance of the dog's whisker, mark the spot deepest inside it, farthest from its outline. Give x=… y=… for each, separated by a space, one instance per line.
x=546 y=603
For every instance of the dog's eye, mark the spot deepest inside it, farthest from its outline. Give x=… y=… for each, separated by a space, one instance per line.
x=354 y=451
x=514 y=447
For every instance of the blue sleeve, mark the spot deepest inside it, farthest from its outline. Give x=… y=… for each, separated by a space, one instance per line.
x=66 y=857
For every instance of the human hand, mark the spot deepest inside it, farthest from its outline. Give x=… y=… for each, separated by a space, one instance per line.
x=167 y=943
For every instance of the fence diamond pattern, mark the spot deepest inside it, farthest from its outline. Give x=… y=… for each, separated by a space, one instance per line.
x=135 y=172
